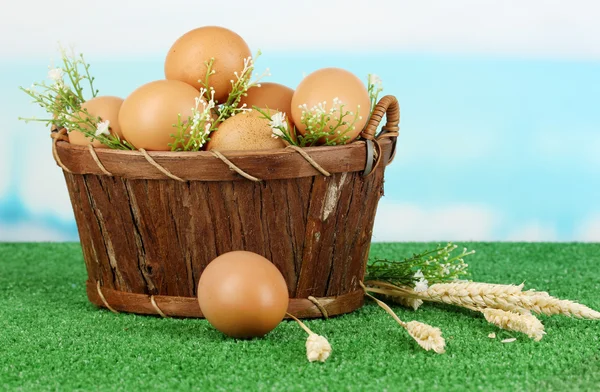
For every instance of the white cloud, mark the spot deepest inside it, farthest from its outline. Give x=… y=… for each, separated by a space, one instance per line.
x=589 y=230
x=534 y=232
x=411 y=222
x=530 y=28
x=30 y=232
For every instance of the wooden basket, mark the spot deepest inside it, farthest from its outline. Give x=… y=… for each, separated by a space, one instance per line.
x=149 y=223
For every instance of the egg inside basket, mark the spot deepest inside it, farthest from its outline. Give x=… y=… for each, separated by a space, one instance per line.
x=151 y=218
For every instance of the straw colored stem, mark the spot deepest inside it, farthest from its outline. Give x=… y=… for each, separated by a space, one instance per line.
x=304 y=327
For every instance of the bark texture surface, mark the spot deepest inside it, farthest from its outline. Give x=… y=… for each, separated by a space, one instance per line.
x=155 y=237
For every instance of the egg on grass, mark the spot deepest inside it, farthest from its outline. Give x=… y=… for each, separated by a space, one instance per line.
x=242 y=294
x=187 y=57
x=245 y=131
x=325 y=85
x=107 y=109
x=148 y=114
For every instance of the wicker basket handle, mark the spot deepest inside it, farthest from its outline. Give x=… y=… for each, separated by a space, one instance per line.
x=389 y=107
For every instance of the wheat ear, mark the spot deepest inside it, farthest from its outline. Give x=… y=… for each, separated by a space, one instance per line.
x=510 y=321
x=543 y=303
x=426 y=336
x=475 y=295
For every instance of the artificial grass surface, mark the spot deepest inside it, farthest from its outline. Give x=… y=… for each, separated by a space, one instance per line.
x=51 y=338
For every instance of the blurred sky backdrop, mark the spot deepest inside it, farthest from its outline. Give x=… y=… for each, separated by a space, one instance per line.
x=500 y=101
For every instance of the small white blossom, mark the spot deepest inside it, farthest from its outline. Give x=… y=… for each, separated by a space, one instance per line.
x=277 y=133
x=445 y=269
x=277 y=121
x=421 y=285
x=492 y=335
x=317 y=348
x=374 y=80
x=419 y=275
x=102 y=128
x=55 y=74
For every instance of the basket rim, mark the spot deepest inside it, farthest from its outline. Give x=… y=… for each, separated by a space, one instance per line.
x=194 y=154
x=205 y=166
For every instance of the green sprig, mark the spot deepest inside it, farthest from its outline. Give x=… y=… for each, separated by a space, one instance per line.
x=374 y=87
x=437 y=266
x=280 y=131
x=62 y=100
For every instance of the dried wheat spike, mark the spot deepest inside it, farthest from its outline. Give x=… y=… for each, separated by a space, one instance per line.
x=428 y=337
x=510 y=321
x=543 y=303
x=475 y=295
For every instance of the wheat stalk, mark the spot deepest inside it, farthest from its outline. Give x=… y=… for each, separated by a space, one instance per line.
x=510 y=298
x=510 y=321
x=475 y=295
x=543 y=303
x=426 y=336
x=407 y=302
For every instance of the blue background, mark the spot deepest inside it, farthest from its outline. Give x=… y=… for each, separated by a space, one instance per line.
x=491 y=147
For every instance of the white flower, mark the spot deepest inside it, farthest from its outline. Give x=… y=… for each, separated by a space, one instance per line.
x=277 y=133
x=445 y=269
x=375 y=80
x=317 y=348
x=277 y=121
x=419 y=275
x=421 y=285
x=55 y=74
x=103 y=128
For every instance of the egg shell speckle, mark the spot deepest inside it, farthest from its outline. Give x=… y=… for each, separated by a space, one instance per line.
x=245 y=131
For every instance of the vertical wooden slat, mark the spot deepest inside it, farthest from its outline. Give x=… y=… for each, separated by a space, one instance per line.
x=157 y=236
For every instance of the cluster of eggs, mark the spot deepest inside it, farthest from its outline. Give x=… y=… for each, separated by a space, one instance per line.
x=147 y=116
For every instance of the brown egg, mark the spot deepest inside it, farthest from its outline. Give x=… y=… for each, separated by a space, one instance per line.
x=274 y=96
x=148 y=114
x=327 y=84
x=242 y=294
x=245 y=131
x=107 y=108
x=186 y=58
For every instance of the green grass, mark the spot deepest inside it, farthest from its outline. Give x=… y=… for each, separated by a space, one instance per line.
x=51 y=338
